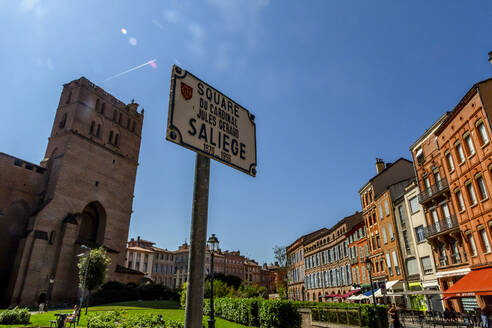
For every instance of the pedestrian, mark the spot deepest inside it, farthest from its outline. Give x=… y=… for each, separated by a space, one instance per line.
x=484 y=314
x=393 y=314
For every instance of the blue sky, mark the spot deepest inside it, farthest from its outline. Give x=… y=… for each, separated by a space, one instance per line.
x=333 y=85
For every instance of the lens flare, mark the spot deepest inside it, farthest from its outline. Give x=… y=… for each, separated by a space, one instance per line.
x=132 y=41
x=123 y=30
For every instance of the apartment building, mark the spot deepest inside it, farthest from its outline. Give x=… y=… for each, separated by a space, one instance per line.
x=156 y=263
x=377 y=211
x=327 y=266
x=466 y=162
x=357 y=244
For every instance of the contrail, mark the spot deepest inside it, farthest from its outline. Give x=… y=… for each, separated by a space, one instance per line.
x=150 y=62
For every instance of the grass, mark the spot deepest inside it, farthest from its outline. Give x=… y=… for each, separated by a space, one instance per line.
x=168 y=309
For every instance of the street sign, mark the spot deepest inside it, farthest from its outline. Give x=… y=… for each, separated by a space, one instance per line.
x=208 y=122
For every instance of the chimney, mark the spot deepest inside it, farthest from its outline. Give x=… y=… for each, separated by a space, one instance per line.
x=379 y=165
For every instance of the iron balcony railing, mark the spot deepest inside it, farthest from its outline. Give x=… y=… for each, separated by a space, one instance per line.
x=433 y=190
x=441 y=226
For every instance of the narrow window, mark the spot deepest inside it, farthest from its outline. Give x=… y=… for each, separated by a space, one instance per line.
x=128 y=124
x=471 y=193
x=103 y=107
x=401 y=215
x=388 y=264
x=111 y=137
x=397 y=266
x=386 y=207
x=91 y=130
x=473 y=247
x=133 y=126
x=481 y=187
x=482 y=133
x=459 y=198
x=419 y=231
x=61 y=125
x=469 y=144
x=97 y=105
x=385 y=238
x=390 y=232
x=114 y=115
x=98 y=132
x=380 y=208
x=116 y=140
x=485 y=240
x=459 y=152
x=119 y=119
x=449 y=159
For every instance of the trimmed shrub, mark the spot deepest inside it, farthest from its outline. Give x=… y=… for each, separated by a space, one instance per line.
x=113 y=291
x=15 y=316
x=279 y=314
x=240 y=310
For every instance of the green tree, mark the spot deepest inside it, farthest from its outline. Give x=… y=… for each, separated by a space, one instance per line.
x=96 y=270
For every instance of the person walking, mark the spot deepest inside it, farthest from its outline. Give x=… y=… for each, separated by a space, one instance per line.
x=393 y=314
x=484 y=314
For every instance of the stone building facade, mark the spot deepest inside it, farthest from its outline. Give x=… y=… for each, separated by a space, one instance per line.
x=80 y=194
x=326 y=257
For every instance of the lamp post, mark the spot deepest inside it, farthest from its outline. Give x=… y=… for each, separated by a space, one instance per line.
x=213 y=243
x=88 y=255
x=368 y=264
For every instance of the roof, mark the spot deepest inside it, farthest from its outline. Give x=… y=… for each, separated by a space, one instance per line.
x=139 y=249
x=440 y=120
x=466 y=98
x=397 y=190
x=123 y=269
x=400 y=170
x=308 y=236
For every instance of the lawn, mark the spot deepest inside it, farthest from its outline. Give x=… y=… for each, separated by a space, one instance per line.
x=168 y=309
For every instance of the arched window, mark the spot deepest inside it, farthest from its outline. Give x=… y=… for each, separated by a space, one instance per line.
x=61 y=125
x=103 y=107
x=111 y=137
x=93 y=124
x=97 y=105
x=98 y=132
x=116 y=140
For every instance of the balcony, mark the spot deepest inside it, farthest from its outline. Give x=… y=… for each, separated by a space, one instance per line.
x=455 y=258
x=354 y=260
x=434 y=190
x=441 y=226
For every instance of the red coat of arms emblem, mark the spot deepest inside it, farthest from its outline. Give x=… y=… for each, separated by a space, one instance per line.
x=186 y=91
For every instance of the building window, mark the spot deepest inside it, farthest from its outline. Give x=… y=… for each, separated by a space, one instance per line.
x=115 y=113
x=412 y=267
x=481 y=187
x=378 y=242
x=385 y=238
x=471 y=193
x=427 y=265
x=63 y=121
x=381 y=264
x=380 y=208
x=484 y=240
x=390 y=232
x=97 y=105
x=117 y=140
x=482 y=133
x=103 y=107
x=419 y=232
x=471 y=241
x=388 y=264
x=470 y=150
x=386 y=207
x=459 y=152
x=414 y=204
x=98 y=131
x=110 y=137
x=405 y=240
x=133 y=126
x=459 y=198
x=449 y=160
x=397 y=267
x=401 y=214
x=91 y=130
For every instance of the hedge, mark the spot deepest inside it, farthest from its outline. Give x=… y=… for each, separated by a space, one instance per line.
x=15 y=316
x=256 y=312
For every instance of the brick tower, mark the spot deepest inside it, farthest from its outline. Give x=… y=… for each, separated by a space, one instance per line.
x=82 y=194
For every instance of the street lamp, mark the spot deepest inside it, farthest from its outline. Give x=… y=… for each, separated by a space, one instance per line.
x=213 y=244
x=88 y=255
x=368 y=264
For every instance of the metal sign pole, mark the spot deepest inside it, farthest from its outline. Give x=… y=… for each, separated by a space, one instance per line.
x=198 y=236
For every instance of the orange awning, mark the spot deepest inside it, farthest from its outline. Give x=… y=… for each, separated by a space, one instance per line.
x=477 y=282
